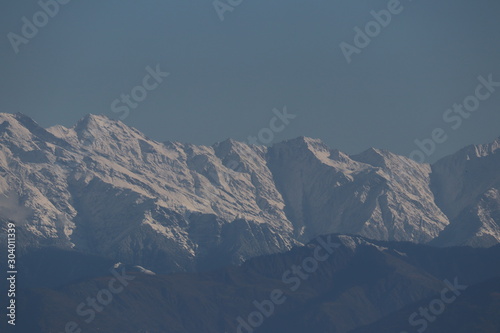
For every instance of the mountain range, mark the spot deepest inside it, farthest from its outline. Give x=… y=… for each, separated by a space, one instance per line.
x=103 y=188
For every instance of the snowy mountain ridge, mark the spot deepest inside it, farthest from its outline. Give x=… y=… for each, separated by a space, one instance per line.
x=102 y=187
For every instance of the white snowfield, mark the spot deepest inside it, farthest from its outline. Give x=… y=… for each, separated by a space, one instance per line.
x=105 y=188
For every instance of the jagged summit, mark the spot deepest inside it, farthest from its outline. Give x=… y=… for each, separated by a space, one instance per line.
x=93 y=122
x=482 y=150
x=101 y=123
x=373 y=153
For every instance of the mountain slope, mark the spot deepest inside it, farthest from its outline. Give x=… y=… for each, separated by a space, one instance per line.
x=374 y=194
x=467 y=187
x=360 y=283
x=477 y=310
x=104 y=188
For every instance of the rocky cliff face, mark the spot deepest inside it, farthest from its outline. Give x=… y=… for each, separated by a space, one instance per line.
x=376 y=194
x=104 y=188
x=467 y=187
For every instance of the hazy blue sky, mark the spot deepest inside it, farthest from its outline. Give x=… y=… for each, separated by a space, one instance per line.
x=226 y=77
